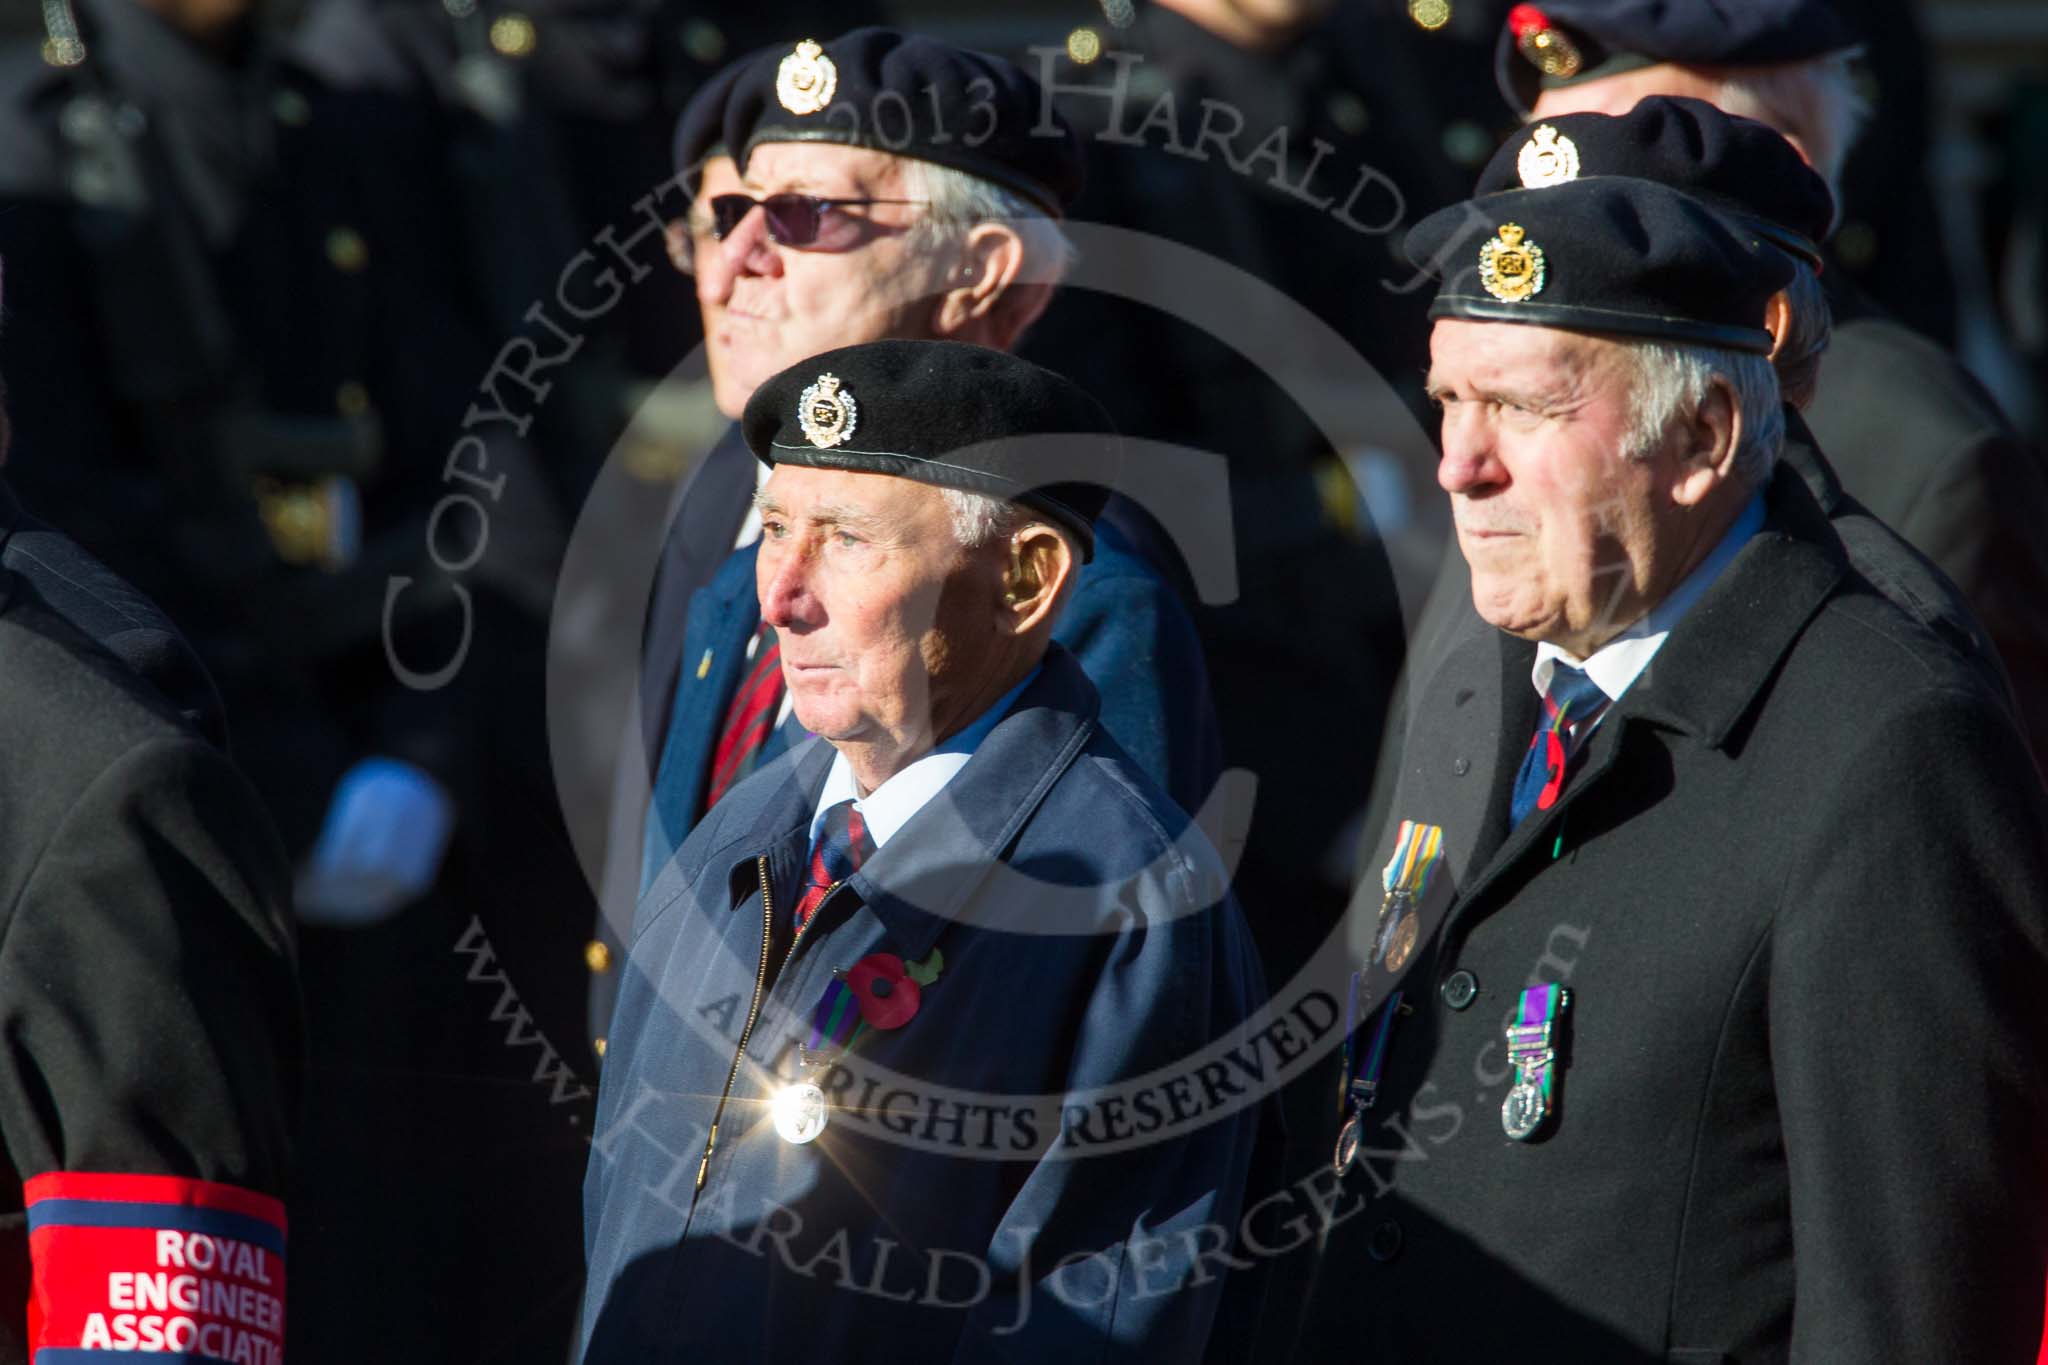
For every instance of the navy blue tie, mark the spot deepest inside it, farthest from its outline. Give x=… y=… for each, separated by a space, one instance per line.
x=1570 y=706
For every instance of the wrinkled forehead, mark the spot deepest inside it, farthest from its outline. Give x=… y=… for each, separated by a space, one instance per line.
x=829 y=169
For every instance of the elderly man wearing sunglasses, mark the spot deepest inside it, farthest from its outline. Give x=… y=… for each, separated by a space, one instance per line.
x=878 y=186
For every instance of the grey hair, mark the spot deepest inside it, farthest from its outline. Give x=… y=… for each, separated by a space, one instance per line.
x=956 y=202
x=979 y=519
x=1814 y=101
x=1807 y=334
x=1672 y=381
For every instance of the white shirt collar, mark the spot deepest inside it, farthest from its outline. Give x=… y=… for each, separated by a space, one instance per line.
x=1619 y=662
x=889 y=807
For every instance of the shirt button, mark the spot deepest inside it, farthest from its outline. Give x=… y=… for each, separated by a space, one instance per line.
x=1461 y=766
x=597 y=955
x=1460 y=988
x=1385 y=1243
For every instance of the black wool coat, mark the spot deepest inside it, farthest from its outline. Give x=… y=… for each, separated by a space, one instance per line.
x=1797 y=886
x=1924 y=448
x=149 y=1015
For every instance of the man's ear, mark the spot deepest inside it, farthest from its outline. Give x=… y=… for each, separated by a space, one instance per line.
x=1711 y=436
x=984 y=298
x=1042 y=561
x=1778 y=321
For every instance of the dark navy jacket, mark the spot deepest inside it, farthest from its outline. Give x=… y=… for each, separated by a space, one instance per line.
x=1123 y=622
x=1087 y=941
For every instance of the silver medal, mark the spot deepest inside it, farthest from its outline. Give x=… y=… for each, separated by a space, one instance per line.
x=1523 y=1111
x=800 y=1112
x=1347 y=1144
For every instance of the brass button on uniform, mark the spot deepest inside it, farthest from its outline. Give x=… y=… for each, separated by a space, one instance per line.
x=597 y=955
x=597 y=1046
x=514 y=35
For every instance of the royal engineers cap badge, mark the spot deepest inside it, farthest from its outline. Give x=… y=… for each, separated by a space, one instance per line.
x=1510 y=267
x=1547 y=159
x=826 y=413
x=806 y=79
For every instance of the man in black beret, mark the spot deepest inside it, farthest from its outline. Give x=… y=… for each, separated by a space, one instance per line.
x=896 y=1065
x=1913 y=436
x=878 y=185
x=1712 y=881
x=1756 y=179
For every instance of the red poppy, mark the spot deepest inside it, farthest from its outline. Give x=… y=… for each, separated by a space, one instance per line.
x=1553 y=755
x=887 y=997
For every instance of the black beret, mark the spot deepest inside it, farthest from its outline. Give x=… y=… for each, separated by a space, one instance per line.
x=700 y=131
x=1561 y=42
x=943 y=413
x=1604 y=254
x=1742 y=167
x=910 y=96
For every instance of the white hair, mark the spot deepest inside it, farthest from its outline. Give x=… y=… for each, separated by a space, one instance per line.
x=1815 y=101
x=1670 y=383
x=979 y=518
x=957 y=202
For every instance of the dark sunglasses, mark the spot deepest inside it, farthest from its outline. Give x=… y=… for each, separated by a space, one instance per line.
x=793 y=219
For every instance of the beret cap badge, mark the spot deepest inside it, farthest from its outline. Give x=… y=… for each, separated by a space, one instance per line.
x=827 y=413
x=1547 y=159
x=805 y=81
x=1546 y=46
x=1510 y=267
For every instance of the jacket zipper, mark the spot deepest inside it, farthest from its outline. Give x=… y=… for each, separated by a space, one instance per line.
x=753 y=1010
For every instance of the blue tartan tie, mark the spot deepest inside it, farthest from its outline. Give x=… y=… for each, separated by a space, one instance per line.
x=1570 y=706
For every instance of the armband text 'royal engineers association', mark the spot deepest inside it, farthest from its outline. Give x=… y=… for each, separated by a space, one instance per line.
x=187 y=1269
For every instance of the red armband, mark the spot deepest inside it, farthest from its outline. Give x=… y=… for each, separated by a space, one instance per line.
x=153 y=1263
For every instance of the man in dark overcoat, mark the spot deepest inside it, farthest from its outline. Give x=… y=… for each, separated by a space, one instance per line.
x=1712 y=882
x=1912 y=434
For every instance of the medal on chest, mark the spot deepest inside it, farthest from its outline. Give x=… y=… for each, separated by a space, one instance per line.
x=1418 y=852
x=1532 y=1053
x=880 y=992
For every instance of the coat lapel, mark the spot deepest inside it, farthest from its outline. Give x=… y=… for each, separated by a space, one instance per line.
x=1715 y=666
x=923 y=880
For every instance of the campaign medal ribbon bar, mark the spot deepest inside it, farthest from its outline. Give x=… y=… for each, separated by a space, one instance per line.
x=1532 y=1054
x=1362 y=1086
x=881 y=992
x=1418 y=853
x=799 y=1108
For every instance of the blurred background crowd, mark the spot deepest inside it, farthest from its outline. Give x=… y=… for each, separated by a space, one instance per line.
x=266 y=266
